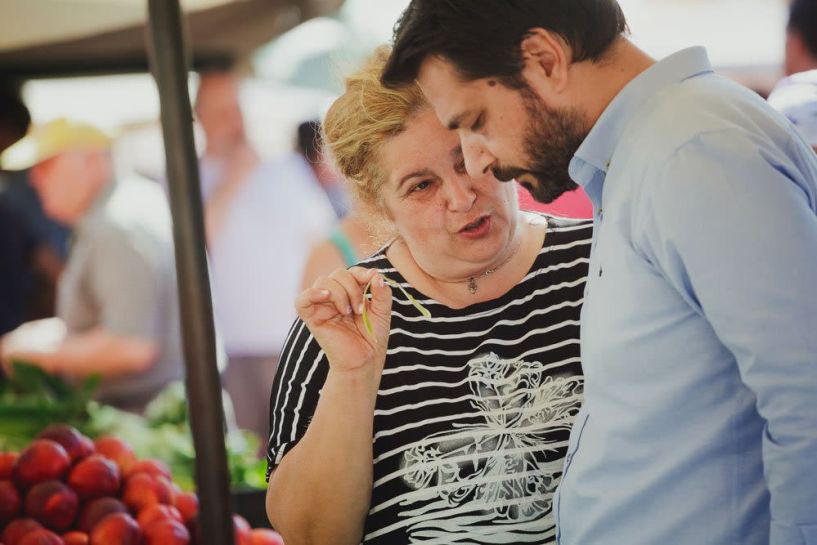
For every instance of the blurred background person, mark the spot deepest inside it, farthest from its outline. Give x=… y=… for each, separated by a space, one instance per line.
x=310 y=146
x=117 y=304
x=261 y=220
x=796 y=95
x=801 y=37
x=353 y=239
x=357 y=235
x=32 y=247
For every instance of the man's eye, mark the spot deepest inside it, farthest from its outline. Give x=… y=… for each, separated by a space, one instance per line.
x=459 y=168
x=478 y=122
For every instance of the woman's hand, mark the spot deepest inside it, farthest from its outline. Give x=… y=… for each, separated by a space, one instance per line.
x=332 y=309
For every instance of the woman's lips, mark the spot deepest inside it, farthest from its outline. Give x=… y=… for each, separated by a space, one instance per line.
x=477 y=228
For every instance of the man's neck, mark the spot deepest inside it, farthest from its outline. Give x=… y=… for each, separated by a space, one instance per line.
x=596 y=84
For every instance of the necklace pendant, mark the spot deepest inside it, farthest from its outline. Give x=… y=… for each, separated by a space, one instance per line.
x=472 y=285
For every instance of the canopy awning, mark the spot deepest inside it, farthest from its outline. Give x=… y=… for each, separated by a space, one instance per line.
x=40 y=38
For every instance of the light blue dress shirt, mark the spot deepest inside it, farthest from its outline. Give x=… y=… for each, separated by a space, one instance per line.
x=699 y=327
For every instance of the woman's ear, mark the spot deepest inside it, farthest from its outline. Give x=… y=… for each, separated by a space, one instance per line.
x=546 y=59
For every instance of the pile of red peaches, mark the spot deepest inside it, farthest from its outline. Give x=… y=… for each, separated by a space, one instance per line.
x=65 y=489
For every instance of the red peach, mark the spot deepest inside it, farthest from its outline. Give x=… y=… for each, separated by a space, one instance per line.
x=41 y=537
x=75 y=444
x=143 y=489
x=166 y=532
x=9 y=502
x=16 y=529
x=75 y=538
x=7 y=460
x=117 y=450
x=94 y=477
x=52 y=503
x=155 y=512
x=98 y=509
x=42 y=460
x=242 y=530
x=154 y=467
x=116 y=529
x=188 y=505
x=264 y=536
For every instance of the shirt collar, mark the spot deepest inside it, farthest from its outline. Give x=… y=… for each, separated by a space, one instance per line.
x=597 y=149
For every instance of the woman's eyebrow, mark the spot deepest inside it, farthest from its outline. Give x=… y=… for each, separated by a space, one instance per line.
x=414 y=174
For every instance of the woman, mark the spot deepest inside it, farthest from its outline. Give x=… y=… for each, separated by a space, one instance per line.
x=449 y=429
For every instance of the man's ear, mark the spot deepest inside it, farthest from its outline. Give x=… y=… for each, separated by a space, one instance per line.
x=546 y=58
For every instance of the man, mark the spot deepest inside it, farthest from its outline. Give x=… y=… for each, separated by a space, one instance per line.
x=801 y=37
x=117 y=298
x=796 y=95
x=700 y=418
x=261 y=220
x=31 y=245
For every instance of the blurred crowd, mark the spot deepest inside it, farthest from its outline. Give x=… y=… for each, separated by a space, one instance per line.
x=87 y=268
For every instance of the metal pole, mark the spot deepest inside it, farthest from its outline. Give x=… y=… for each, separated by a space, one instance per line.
x=202 y=378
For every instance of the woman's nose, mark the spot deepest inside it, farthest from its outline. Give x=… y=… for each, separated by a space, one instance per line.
x=461 y=194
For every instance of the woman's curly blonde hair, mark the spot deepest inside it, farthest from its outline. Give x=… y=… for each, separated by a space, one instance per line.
x=362 y=119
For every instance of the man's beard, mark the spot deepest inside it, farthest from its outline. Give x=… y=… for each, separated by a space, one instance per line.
x=551 y=138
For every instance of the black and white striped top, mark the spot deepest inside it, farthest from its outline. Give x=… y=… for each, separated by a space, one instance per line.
x=474 y=407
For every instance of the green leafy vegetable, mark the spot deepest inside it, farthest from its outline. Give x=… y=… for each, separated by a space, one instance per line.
x=366 y=297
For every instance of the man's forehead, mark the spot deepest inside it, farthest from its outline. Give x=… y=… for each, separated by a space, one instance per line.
x=451 y=96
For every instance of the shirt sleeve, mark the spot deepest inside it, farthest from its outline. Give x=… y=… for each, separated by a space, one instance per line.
x=732 y=225
x=129 y=283
x=302 y=371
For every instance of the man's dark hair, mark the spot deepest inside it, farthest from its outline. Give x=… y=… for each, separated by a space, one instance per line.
x=14 y=116
x=803 y=21
x=310 y=141
x=482 y=37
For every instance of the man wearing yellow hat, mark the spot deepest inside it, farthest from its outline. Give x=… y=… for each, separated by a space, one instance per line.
x=117 y=302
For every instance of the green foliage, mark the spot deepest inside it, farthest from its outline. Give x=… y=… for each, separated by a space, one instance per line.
x=164 y=433
x=30 y=399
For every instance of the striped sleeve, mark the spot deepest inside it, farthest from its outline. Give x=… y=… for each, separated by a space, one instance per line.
x=302 y=371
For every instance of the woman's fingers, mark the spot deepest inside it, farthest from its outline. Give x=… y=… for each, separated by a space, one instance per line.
x=343 y=290
x=351 y=293
x=381 y=295
x=309 y=297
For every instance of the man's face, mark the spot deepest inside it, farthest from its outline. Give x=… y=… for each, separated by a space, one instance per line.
x=510 y=131
x=63 y=185
x=219 y=112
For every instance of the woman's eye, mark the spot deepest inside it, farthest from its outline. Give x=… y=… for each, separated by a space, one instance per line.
x=421 y=186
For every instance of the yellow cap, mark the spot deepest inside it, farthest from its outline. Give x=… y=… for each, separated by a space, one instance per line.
x=46 y=141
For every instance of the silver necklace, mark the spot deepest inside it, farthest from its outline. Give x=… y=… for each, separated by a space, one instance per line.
x=472 y=280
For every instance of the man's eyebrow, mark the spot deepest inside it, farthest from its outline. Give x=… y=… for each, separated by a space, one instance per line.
x=415 y=174
x=456 y=152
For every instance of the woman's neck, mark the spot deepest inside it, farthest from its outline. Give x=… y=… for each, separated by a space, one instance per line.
x=485 y=284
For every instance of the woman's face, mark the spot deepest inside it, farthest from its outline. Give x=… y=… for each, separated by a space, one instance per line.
x=454 y=226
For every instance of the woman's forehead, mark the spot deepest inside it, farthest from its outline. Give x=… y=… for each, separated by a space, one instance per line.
x=424 y=144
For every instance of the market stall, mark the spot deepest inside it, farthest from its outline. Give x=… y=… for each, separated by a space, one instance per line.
x=80 y=37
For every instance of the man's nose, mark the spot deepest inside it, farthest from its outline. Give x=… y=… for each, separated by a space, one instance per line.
x=478 y=160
